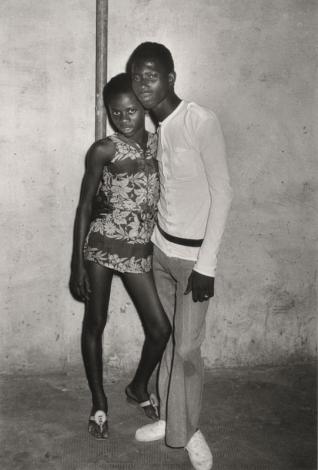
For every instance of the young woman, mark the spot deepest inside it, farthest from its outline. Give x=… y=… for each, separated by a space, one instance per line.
x=114 y=222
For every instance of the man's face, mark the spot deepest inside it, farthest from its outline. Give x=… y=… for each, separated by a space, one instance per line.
x=151 y=82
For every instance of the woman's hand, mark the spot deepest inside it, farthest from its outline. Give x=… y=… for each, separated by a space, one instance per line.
x=79 y=283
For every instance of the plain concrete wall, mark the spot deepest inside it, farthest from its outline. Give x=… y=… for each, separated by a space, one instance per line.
x=47 y=123
x=253 y=63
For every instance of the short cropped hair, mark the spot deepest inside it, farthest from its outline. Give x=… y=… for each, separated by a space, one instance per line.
x=151 y=50
x=121 y=83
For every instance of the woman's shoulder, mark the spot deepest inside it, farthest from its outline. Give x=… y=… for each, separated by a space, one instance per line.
x=152 y=143
x=152 y=137
x=106 y=144
x=103 y=149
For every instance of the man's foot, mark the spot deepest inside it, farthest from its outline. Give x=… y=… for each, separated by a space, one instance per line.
x=151 y=432
x=199 y=452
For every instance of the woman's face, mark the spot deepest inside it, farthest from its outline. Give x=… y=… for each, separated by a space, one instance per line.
x=127 y=114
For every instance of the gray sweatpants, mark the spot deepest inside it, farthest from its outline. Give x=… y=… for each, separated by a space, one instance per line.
x=181 y=371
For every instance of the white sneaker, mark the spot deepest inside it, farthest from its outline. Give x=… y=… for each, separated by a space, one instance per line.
x=199 y=452
x=151 y=432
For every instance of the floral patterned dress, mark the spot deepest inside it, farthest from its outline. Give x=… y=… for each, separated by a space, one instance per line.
x=125 y=209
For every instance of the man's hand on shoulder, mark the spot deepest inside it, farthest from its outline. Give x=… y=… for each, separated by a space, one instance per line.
x=202 y=286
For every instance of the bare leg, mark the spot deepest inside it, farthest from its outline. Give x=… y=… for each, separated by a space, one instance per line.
x=156 y=326
x=93 y=326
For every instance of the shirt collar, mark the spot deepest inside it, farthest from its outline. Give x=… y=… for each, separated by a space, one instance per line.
x=171 y=115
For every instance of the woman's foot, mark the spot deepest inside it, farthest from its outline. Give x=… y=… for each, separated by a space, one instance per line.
x=98 y=425
x=149 y=403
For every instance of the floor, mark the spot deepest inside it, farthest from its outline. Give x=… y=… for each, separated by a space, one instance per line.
x=262 y=419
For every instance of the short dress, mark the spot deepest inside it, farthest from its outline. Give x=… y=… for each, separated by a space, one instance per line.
x=125 y=208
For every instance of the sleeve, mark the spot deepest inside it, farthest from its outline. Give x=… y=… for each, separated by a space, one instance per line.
x=212 y=152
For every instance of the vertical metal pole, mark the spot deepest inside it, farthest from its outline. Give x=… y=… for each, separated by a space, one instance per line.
x=101 y=66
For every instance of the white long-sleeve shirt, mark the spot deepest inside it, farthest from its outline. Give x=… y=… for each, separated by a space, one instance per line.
x=195 y=191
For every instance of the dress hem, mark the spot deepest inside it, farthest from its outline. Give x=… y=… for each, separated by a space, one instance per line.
x=109 y=266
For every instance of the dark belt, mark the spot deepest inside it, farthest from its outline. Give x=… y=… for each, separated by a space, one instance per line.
x=179 y=241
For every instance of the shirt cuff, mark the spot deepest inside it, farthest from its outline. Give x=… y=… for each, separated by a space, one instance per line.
x=205 y=270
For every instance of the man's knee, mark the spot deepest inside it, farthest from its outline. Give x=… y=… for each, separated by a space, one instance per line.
x=188 y=351
x=190 y=357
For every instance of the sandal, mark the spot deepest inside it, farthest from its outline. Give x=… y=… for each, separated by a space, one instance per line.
x=98 y=425
x=150 y=407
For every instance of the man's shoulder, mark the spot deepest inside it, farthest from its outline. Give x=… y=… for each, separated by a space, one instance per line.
x=200 y=112
x=198 y=117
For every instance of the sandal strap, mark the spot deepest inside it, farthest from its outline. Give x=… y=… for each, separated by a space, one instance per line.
x=143 y=404
x=94 y=417
x=153 y=402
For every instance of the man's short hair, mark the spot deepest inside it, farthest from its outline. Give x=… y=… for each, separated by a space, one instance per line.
x=152 y=50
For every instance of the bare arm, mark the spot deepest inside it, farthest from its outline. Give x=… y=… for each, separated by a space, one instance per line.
x=97 y=156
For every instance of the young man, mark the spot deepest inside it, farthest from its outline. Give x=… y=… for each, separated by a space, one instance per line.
x=193 y=207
